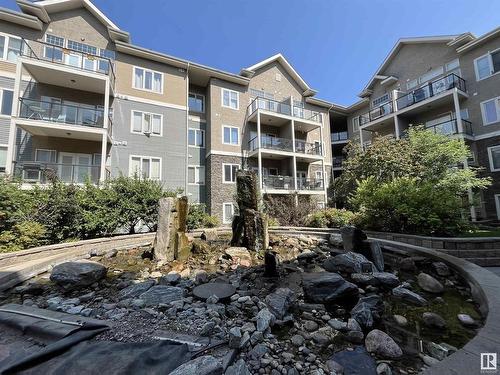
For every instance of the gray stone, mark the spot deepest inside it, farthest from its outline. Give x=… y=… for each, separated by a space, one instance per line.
x=335 y=240
x=441 y=268
x=334 y=367
x=161 y=294
x=352 y=238
x=409 y=296
x=349 y=263
x=386 y=279
x=265 y=319
x=213 y=299
x=111 y=254
x=337 y=324
x=433 y=320
x=209 y=234
x=280 y=301
x=326 y=287
x=248 y=327
x=171 y=278
x=356 y=361
x=310 y=325
x=297 y=340
x=200 y=276
x=204 y=365
x=207 y=329
x=380 y=343
x=234 y=338
x=135 y=290
x=238 y=368
x=429 y=283
x=377 y=256
x=466 y=320
x=353 y=325
x=356 y=337
x=162 y=246
x=363 y=315
x=384 y=369
x=256 y=337
x=258 y=351
x=221 y=290
x=429 y=361
x=400 y=320
x=77 y=274
x=440 y=351
x=320 y=338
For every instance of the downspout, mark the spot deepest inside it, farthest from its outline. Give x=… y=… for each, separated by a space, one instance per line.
x=186 y=192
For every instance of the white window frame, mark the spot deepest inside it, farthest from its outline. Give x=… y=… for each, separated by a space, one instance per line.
x=497 y=205
x=490 y=63
x=455 y=62
x=318 y=173
x=382 y=99
x=6 y=147
x=142 y=157
x=144 y=81
x=196 y=137
x=223 y=172
x=230 y=135
x=199 y=175
x=224 y=219
x=143 y=131
x=483 y=111
x=48 y=150
x=2 y=115
x=6 y=46
x=222 y=99
x=490 y=158
x=355 y=124
x=198 y=96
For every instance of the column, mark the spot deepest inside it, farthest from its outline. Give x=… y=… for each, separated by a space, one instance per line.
x=104 y=145
x=396 y=127
x=294 y=161
x=323 y=154
x=11 y=148
x=259 y=151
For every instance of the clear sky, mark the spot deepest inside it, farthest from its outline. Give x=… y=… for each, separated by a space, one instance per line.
x=335 y=45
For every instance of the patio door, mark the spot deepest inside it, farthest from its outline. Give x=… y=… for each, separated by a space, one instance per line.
x=75 y=168
x=442 y=124
x=301 y=179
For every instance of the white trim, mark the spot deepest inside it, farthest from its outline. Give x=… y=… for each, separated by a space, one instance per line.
x=222 y=99
x=230 y=133
x=223 y=153
x=200 y=173
x=131 y=173
x=223 y=173
x=483 y=112
x=149 y=101
x=142 y=132
x=490 y=65
x=6 y=46
x=497 y=205
x=224 y=220
x=487 y=135
x=490 y=158
x=203 y=105
x=144 y=82
x=204 y=140
x=197 y=119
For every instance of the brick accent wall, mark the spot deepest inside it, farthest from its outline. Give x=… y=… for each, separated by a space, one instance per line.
x=484 y=162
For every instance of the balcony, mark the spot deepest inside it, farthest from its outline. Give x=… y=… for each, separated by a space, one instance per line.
x=33 y=172
x=278 y=182
x=286 y=145
x=303 y=147
x=451 y=128
x=283 y=109
x=337 y=161
x=376 y=113
x=310 y=184
x=340 y=136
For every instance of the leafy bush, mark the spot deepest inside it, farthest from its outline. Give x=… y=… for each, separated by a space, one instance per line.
x=285 y=210
x=22 y=236
x=198 y=218
x=211 y=221
x=273 y=222
x=331 y=218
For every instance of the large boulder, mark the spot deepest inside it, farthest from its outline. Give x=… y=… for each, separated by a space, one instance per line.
x=381 y=343
x=349 y=263
x=429 y=283
x=204 y=365
x=367 y=310
x=327 y=287
x=71 y=275
x=385 y=279
x=433 y=320
x=240 y=256
x=356 y=361
x=352 y=238
x=135 y=290
x=377 y=257
x=280 y=301
x=409 y=296
x=161 y=294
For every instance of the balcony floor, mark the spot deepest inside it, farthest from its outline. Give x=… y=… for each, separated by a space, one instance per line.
x=60 y=130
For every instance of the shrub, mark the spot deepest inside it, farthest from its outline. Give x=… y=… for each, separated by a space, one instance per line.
x=273 y=222
x=211 y=221
x=198 y=218
x=21 y=236
x=331 y=218
x=285 y=210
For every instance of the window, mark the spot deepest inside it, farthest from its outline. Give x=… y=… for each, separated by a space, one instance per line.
x=45 y=156
x=412 y=84
x=10 y=47
x=452 y=65
x=104 y=63
x=196 y=175
x=430 y=75
x=55 y=51
x=464 y=114
x=490 y=110
x=148 y=80
x=230 y=99
x=82 y=47
x=494 y=156
x=196 y=137
x=196 y=102
x=6 y=103
x=147 y=123
x=3 y=158
x=487 y=65
x=145 y=167
x=230 y=135
x=355 y=124
x=261 y=94
x=227 y=213
x=381 y=100
x=229 y=173
x=319 y=175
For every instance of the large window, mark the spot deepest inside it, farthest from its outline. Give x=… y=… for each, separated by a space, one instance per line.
x=196 y=137
x=6 y=101
x=227 y=213
x=230 y=135
x=494 y=156
x=487 y=65
x=355 y=124
x=45 y=156
x=54 y=52
x=229 y=173
x=146 y=123
x=381 y=100
x=196 y=102
x=230 y=99
x=490 y=110
x=149 y=80
x=3 y=158
x=10 y=47
x=196 y=175
x=145 y=167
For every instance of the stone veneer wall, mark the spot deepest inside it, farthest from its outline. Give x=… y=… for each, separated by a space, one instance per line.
x=484 y=162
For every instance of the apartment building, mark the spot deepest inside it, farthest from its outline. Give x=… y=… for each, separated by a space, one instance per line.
x=451 y=85
x=79 y=101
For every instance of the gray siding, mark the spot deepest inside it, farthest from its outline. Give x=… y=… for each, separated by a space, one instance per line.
x=170 y=147
x=5 y=83
x=197 y=193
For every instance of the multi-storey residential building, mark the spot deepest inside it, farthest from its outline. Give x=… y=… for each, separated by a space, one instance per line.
x=79 y=101
x=450 y=84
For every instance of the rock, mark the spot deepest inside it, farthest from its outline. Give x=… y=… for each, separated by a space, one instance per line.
x=171 y=278
x=221 y=290
x=256 y=337
x=429 y=283
x=207 y=329
x=407 y=264
x=161 y=294
x=326 y=287
x=356 y=361
x=433 y=320
x=401 y=320
x=349 y=263
x=111 y=254
x=356 y=337
x=320 y=338
x=200 y=276
x=212 y=300
x=335 y=240
x=77 y=274
x=240 y=256
x=363 y=315
x=297 y=340
x=380 y=343
x=270 y=264
x=337 y=324
x=352 y=238
x=386 y=279
x=209 y=235
x=310 y=325
x=383 y=369
x=163 y=249
x=135 y=290
x=204 y=365
x=429 y=361
x=377 y=256
x=466 y=320
x=257 y=352
x=440 y=351
x=248 y=327
x=265 y=319
x=238 y=368
x=334 y=367
x=280 y=301
x=307 y=256
x=409 y=296
x=234 y=338
x=441 y=268
x=353 y=325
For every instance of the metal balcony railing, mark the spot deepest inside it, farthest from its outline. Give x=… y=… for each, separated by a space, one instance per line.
x=278 y=182
x=34 y=109
x=451 y=127
x=42 y=173
x=271 y=143
x=304 y=147
x=340 y=136
x=375 y=113
x=337 y=161
x=64 y=56
x=284 y=109
x=316 y=184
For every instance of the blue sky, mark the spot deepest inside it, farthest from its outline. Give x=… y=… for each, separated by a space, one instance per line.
x=335 y=45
